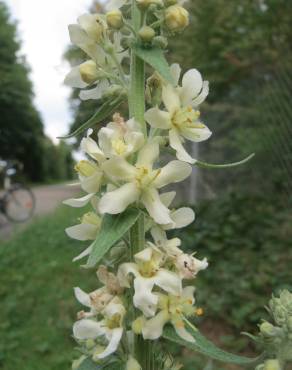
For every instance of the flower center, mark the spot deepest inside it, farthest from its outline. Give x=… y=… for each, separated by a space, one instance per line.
x=119 y=146
x=145 y=176
x=91 y=218
x=86 y=168
x=186 y=117
x=114 y=321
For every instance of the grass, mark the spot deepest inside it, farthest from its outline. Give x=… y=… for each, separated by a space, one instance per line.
x=37 y=304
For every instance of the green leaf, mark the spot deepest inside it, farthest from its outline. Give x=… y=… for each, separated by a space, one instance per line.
x=234 y=164
x=112 y=230
x=155 y=57
x=104 y=111
x=207 y=348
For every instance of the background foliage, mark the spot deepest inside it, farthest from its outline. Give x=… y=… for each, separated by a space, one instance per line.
x=22 y=135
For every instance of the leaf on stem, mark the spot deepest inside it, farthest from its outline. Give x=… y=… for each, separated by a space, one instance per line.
x=155 y=57
x=207 y=348
x=227 y=165
x=104 y=111
x=113 y=228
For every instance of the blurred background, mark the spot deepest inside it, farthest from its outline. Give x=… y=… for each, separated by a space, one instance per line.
x=243 y=215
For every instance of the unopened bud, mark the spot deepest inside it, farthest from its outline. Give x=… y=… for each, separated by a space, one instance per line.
x=272 y=365
x=176 y=18
x=160 y=41
x=114 y=19
x=88 y=71
x=169 y=2
x=267 y=330
x=146 y=34
x=144 y=4
x=133 y=364
x=138 y=324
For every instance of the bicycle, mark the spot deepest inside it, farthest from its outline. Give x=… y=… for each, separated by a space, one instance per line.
x=17 y=203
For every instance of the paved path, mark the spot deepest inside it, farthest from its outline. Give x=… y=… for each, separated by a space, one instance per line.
x=48 y=198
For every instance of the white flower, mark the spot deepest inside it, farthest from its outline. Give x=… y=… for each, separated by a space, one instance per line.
x=181 y=118
x=173 y=309
x=120 y=138
x=186 y=265
x=90 y=176
x=147 y=273
x=87 y=229
x=111 y=327
x=181 y=217
x=140 y=183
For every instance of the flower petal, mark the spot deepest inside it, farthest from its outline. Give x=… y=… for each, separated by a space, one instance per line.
x=90 y=147
x=115 y=4
x=82 y=297
x=167 y=198
x=196 y=134
x=156 y=209
x=83 y=254
x=79 y=38
x=174 y=171
x=114 y=341
x=182 y=217
x=158 y=118
x=92 y=183
x=175 y=71
x=117 y=201
x=78 y=202
x=87 y=329
x=169 y=281
x=143 y=298
x=148 y=154
x=118 y=168
x=124 y=270
x=202 y=96
x=73 y=79
x=183 y=333
x=170 y=98
x=82 y=232
x=95 y=93
x=192 y=84
x=153 y=328
x=176 y=144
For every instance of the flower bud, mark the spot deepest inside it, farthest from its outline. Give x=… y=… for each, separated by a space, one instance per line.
x=160 y=41
x=88 y=71
x=146 y=34
x=114 y=19
x=267 y=329
x=272 y=365
x=144 y=4
x=132 y=364
x=138 y=324
x=176 y=18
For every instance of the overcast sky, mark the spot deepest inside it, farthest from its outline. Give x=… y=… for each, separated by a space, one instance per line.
x=43 y=31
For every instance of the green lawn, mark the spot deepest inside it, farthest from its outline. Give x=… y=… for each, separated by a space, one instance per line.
x=37 y=304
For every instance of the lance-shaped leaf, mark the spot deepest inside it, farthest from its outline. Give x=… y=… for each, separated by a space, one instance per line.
x=103 y=112
x=226 y=165
x=113 y=228
x=207 y=348
x=155 y=57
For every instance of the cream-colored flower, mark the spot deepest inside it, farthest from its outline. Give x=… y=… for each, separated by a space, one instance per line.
x=110 y=327
x=140 y=183
x=115 y=4
x=90 y=176
x=87 y=229
x=120 y=138
x=148 y=272
x=181 y=118
x=173 y=308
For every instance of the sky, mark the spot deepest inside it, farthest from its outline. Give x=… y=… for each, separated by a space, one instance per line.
x=42 y=29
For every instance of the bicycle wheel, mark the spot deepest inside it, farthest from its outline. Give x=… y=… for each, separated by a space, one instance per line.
x=19 y=203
